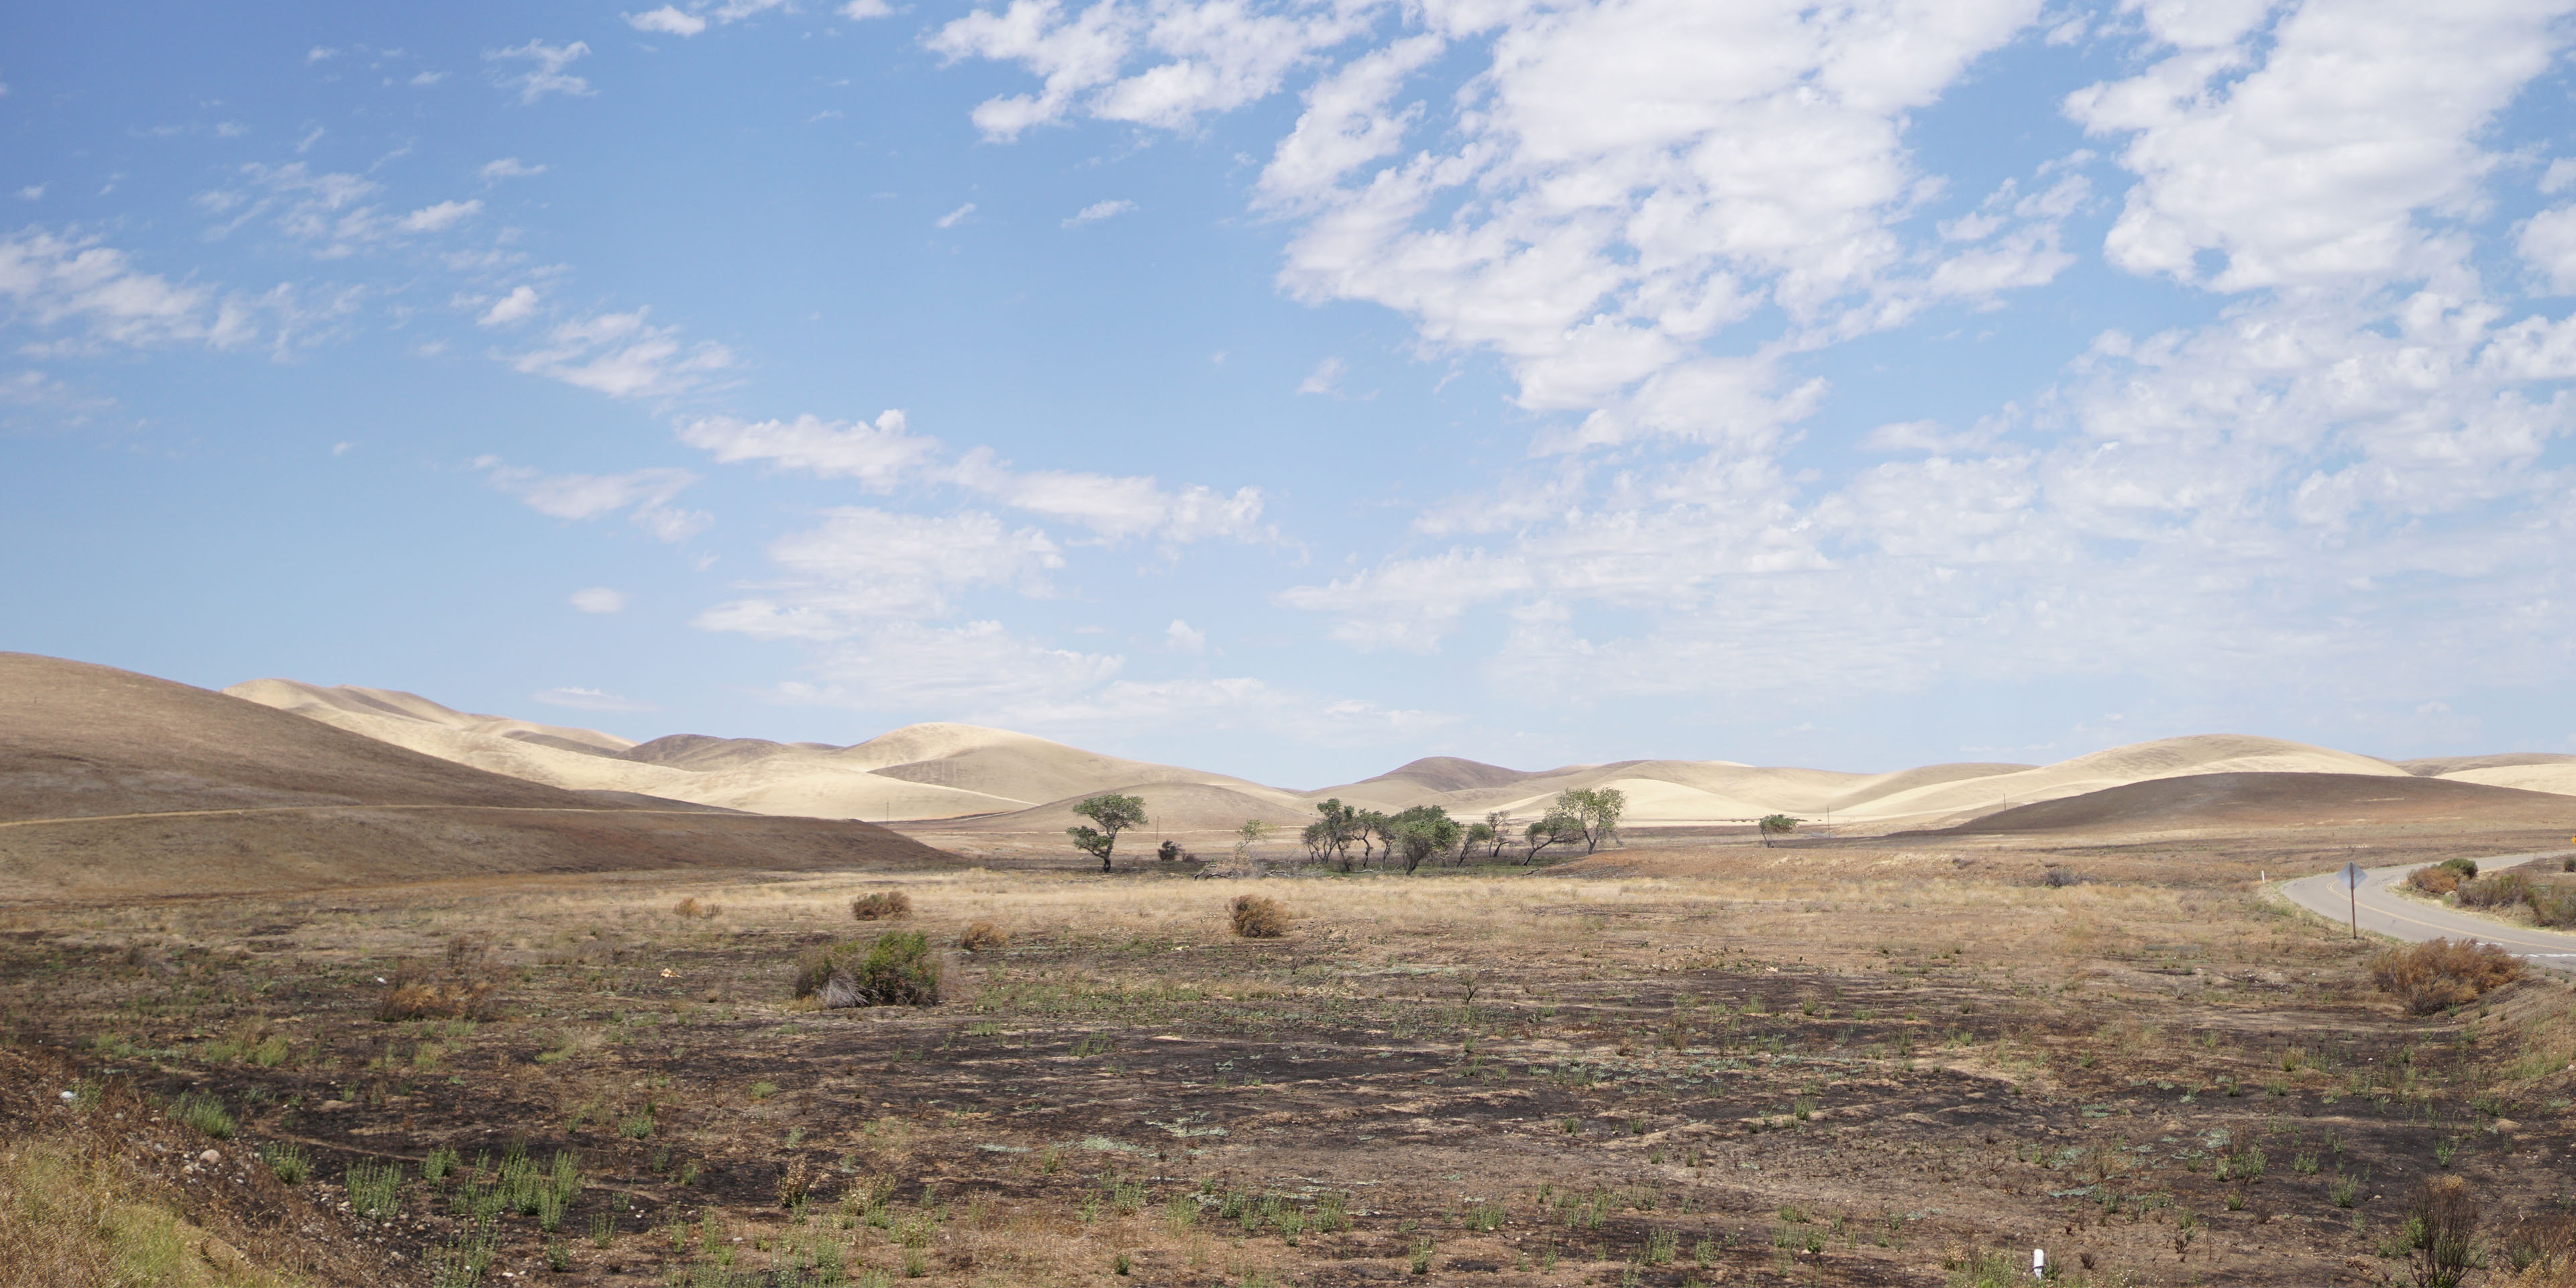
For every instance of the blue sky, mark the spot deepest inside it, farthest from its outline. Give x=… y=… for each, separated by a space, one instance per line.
x=1292 y=389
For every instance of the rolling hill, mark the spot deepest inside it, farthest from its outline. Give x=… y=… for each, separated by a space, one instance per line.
x=114 y=784
x=993 y=781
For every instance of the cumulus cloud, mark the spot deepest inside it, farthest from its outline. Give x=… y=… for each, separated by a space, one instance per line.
x=329 y=210
x=864 y=566
x=884 y=454
x=599 y=599
x=1202 y=57
x=590 y=700
x=1099 y=210
x=878 y=455
x=1181 y=637
x=544 y=73
x=509 y=168
x=668 y=20
x=94 y=296
x=517 y=306
x=625 y=356
x=645 y=495
x=862 y=10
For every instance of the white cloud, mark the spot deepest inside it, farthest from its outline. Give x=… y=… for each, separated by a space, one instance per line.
x=624 y=356
x=1181 y=637
x=975 y=670
x=1236 y=704
x=1205 y=57
x=1112 y=506
x=329 y=210
x=2359 y=118
x=517 y=306
x=884 y=454
x=877 y=455
x=32 y=192
x=509 y=168
x=319 y=54
x=589 y=700
x=862 y=10
x=1099 y=210
x=1324 y=379
x=646 y=495
x=437 y=218
x=950 y=220
x=428 y=78
x=599 y=599
x=547 y=75
x=866 y=566
x=71 y=282
x=668 y=20
x=2548 y=243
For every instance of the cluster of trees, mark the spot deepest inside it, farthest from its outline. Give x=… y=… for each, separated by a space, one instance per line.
x=1426 y=832
x=1422 y=834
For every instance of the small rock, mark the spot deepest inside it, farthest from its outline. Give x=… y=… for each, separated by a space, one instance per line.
x=329 y=1105
x=223 y=1256
x=209 y=1158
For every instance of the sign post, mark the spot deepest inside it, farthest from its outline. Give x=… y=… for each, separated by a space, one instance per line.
x=2351 y=875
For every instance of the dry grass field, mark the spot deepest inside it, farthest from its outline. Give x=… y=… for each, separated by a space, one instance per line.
x=1694 y=1061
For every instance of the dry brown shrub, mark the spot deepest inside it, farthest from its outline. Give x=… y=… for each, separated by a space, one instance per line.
x=1259 y=917
x=691 y=907
x=415 y=992
x=882 y=906
x=2436 y=880
x=796 y=1183
x=2501 y=890
x=2438 y=973
x=983 y=936
x=2444 y=1218
x=2539 y=1251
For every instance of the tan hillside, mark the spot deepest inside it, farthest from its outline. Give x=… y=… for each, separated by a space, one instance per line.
x=2237 y=800
x=2557 y=775
x=115 y=784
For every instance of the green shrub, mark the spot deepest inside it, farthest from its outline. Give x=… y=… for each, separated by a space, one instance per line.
x=205 y=1113
x=897 y=969
x=286 y=1162
x=375 y=1189
x=2502 y=890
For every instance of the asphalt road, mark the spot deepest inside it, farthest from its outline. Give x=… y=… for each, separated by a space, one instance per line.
x=2383 y=911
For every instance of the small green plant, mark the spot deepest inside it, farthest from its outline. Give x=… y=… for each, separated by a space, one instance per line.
x=896 y=969
x=1660 y=1248
x=1119 y=1265
x=374 y=1189
x=438 y=1164
x=916 y=1263
x=603 y=1230
x=286 y=1162
x=763 y=1089
x=205 y=1113
x=2446 y=1149
x=2343 y=1191
x=558 y=1257
x=1420 y=1258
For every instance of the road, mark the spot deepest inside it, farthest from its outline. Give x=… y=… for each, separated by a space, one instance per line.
x=2383 y=911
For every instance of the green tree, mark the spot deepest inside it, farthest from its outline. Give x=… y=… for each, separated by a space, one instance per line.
x=1498 y=829
x=1556 y=828
x=1777 y=825
x=1249 y=835
x=1479 y=834
x=1339 y=826
x=1112 y=813
x=1420 y=833
x=1596 y=811
x=1374 y=828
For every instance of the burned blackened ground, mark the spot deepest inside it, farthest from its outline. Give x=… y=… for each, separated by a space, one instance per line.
x=1862 y=1074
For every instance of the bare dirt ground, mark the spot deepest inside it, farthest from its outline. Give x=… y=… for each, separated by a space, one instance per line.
x=1697 y=1059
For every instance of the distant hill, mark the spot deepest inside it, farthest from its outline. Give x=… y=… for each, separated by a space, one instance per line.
x=2276 y=800
x=115 y=784
x=1006 y=782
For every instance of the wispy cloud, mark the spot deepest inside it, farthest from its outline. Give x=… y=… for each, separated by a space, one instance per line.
x=546 y=74
x=645 y=495
x=1099 y=210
